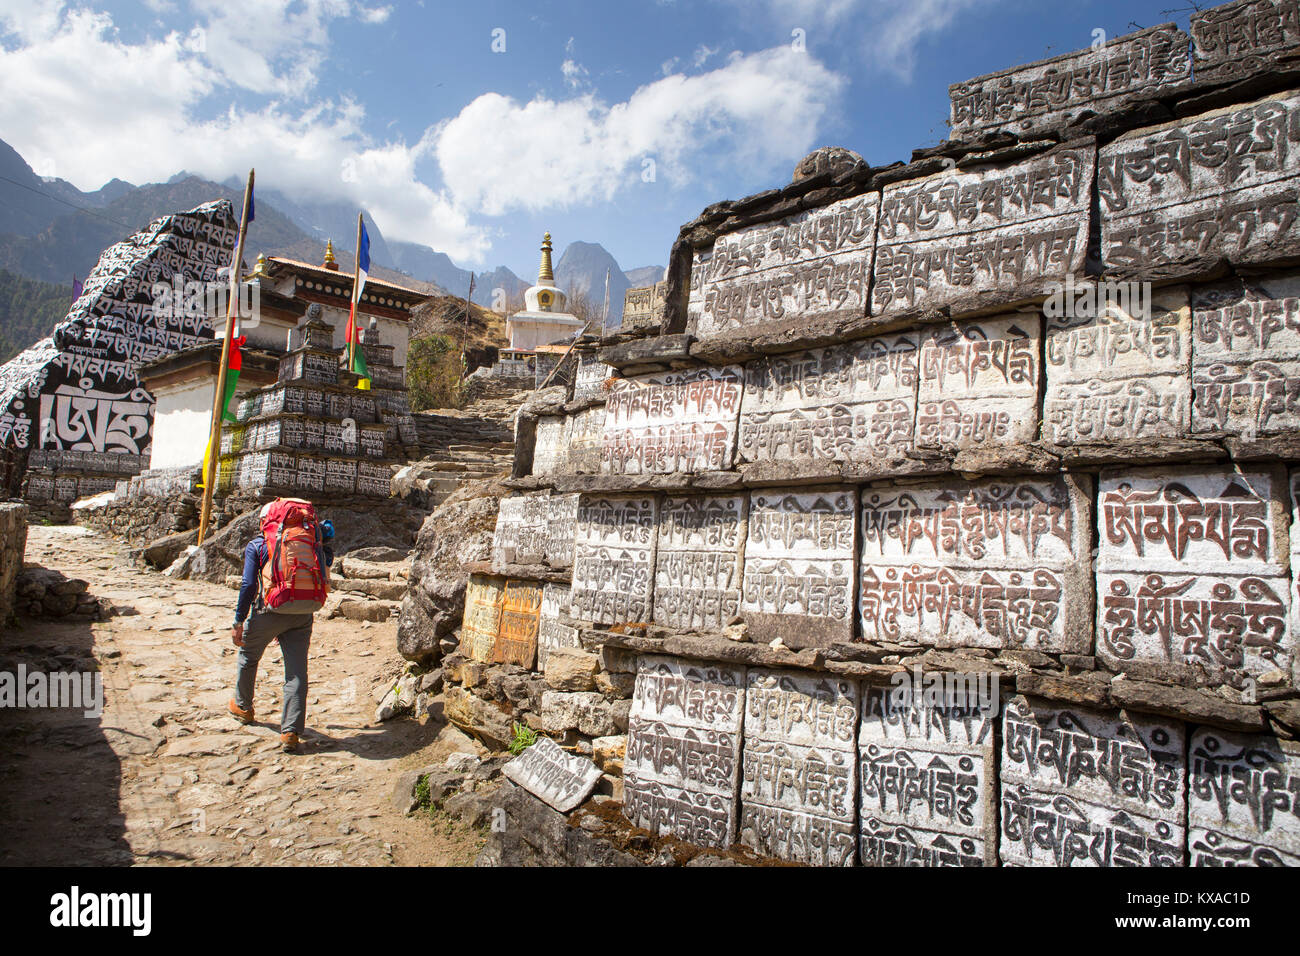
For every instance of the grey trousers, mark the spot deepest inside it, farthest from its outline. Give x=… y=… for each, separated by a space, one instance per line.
x=294 y=632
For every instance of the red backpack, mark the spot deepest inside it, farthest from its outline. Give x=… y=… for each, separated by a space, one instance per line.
x=293 y=581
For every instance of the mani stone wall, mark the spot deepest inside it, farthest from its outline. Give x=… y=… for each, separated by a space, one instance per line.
x=73 y=403
x=1027 y=408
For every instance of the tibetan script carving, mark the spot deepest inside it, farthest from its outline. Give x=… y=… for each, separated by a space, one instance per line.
x=1082 y=788
x=979 y=383
x=613 y=559
x=986 y=564
x=983 y=238
x=698 y=561
x=672 y=422
x=851 y=402
x=682 y=765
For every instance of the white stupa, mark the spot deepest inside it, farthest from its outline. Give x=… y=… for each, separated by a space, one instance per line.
x=543 y=320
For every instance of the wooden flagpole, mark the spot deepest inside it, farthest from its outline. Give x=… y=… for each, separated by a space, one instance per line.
x=218 y=400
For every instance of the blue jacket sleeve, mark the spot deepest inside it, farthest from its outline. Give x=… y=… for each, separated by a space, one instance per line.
x=248 y=587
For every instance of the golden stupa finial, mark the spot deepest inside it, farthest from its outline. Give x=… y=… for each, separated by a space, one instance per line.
x=330 y=261
x=544 y=271
x=259 y=269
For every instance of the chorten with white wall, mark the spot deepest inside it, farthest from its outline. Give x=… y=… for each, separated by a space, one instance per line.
x=542 y=321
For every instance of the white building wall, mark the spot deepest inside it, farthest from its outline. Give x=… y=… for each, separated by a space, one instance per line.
x=182 y=417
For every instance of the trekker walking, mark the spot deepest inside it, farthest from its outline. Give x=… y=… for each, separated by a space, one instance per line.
x=286 y=579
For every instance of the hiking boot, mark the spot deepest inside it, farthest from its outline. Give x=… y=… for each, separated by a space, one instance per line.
x=241 y=715
x=289 y=743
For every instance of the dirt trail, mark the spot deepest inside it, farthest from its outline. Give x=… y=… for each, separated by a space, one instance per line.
x=165 y=776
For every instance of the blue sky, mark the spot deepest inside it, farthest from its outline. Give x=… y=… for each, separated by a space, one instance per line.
x=475 y=127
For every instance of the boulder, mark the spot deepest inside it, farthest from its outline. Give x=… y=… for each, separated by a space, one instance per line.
x=571 y=669
x=162 y=552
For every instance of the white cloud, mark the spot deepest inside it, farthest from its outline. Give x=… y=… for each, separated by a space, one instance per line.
x=891 y=32
x=761 y=110
x=703 y=54
x=575 y=74
x=96 y=106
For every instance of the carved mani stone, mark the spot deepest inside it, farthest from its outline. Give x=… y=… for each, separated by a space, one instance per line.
x=1216 y=186
x=800 y=764
x=979 y=383
x=1193 y=568
x=698 y=561
x=799 y=566
x=614 y=559
x=813 y=265
x=1117 y=366
x=1243 y=803
x=672 y=422
x=850 y=402
x=928 y=781
x=483 y=601
x=1052 y=94
x=995 y=563
x=682 y=765
x=1085 y=788
x=996 y=236
x=1246 y=357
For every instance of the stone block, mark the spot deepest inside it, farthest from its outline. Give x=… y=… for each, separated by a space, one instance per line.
x=928 y=781
x=1179 y=197
x=558 y=779
x=1091 y=788
x=1118 y=364
x=614 y=556
x=672 y=422
x=799 y=566
x=1243 y=803
x=943 y=245
x=979 y=383
x=1193 y=567
x=994 y=563
x=698 y=561
x=853 y=402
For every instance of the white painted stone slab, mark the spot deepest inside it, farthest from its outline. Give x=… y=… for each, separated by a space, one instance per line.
x=1185 y=520
x=586 y=432
x=672 y=422
x=797 y=796
x=682 y=763
x=698 y=560
x=558 y=779
x=689 y=694
x=814 y=263
x=850 y=402
x=996 y=234
x=613 y=559
x=1245 y=789
x=979 y=383
x=535 y=529
x=1118 y=370
x=1194 y=568
x=1084 y=788
x=994 y=563
x=801 y=708
x=880 y=844
x=1246 y=369
x=589 y=379
x=1054 y=93
x=551 y=631
x=799 y=566
x=930 y=772
x=551 y=445
x=1220 y=184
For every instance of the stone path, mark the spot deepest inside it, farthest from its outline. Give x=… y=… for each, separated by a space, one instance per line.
x=165 y=776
